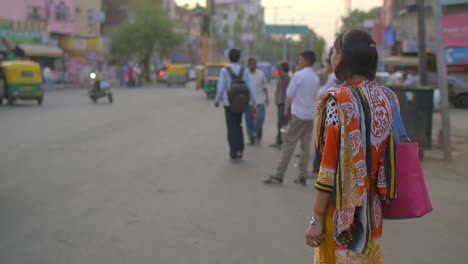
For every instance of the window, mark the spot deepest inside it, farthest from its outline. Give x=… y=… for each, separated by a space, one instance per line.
x=34 y=13
x=27 y=74
x=61 y=12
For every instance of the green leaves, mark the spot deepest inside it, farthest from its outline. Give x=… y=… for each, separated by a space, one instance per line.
x=357 y=17
x=150 y=30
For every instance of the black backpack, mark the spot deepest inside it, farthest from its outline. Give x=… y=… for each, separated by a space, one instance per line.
x=238 y=93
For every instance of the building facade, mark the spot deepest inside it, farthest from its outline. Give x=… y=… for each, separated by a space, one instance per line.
x=401 y=20
x=237 y=22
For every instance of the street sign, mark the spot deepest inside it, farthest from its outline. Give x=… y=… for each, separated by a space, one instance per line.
x=286 y=29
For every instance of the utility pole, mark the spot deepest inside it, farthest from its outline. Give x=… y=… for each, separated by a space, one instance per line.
x=422 y=42
x=442 y=74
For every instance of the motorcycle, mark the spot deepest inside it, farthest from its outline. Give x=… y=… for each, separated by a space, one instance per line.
x=99 y=89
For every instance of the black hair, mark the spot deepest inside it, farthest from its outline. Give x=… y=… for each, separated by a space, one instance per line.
x=358 y=55
x=251 y=59
x=284 y=66
x=234 y=55
x=309 y=56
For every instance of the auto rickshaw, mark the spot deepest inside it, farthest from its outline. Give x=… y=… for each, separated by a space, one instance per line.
x=22 y=80
x=211 y=77
x=177 y=74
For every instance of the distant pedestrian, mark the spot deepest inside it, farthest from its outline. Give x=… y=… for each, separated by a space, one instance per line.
x=302 y=96
x=280 y=99
x=231 y=101
x=255 y=122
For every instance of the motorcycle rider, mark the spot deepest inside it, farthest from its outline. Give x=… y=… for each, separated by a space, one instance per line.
x=98 y=78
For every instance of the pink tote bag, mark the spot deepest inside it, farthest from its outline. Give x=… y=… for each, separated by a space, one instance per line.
x=412 y=199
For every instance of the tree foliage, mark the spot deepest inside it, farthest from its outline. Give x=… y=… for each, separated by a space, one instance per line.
x=357 y=17
x=151 y=30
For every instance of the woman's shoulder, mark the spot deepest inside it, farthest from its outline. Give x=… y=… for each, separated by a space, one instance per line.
x=337 y=91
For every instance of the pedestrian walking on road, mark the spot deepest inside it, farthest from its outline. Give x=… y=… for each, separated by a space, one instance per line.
x=353 y=133
x=280 y=99
x=302 y=96
x=255 y=122
x=235 y=75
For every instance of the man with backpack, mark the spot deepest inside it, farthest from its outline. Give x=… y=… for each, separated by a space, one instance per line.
x=236 y=91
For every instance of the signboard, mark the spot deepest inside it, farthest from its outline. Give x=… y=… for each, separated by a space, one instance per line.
x=5 y=24
x=456 y=55
x=454 y=2
x=389 y=37
x=286 y=29
x=23 y=36
x=456 y=31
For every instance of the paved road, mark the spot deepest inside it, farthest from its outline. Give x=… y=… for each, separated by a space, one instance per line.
x=148 y=180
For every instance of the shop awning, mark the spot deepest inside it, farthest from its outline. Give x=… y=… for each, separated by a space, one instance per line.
x=401 y=61
x=35 y=50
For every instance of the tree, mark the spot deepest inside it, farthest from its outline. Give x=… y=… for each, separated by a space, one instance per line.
x=357 y=18
x=151 y=31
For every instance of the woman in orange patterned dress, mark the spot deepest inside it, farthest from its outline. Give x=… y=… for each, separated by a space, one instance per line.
x=354 y=133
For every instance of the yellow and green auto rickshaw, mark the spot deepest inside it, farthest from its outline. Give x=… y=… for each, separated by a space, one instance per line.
x=211 y=77
x=22 y=80
x=177 y=74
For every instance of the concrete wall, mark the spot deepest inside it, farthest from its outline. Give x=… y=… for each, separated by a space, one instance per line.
x=57 y=14
x=83 y=27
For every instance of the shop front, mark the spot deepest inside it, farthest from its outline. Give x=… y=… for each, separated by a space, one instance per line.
x=30 y=40
x=82 y=55
x=456 y=44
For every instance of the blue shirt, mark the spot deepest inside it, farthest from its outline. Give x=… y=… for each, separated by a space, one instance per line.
x=225 y=81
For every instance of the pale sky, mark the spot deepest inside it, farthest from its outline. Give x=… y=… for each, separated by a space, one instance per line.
x=321 y=15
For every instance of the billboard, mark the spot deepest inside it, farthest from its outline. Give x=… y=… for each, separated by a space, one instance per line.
x=456 y=31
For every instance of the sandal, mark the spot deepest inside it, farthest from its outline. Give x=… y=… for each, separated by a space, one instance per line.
x=273 y=180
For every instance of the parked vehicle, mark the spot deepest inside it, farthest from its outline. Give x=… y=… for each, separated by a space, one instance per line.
x=177 y=74
x=457 y=88
x=21 y=80
x=99 y=88
x=162 y=74
x=211 y=77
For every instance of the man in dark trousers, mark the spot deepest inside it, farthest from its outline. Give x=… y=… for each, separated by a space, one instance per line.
x=280 y=98
x=234 y=119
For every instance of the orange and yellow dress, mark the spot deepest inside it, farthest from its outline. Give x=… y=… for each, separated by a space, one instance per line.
x=353 y=121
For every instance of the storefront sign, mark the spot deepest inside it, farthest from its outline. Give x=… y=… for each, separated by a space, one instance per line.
x=456 y=55
x=454 y=2
x=23 y=36
x=5 y=24
x=456 y=31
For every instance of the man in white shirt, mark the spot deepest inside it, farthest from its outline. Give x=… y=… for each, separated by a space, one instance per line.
x=302 y=96
x=259 y=84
